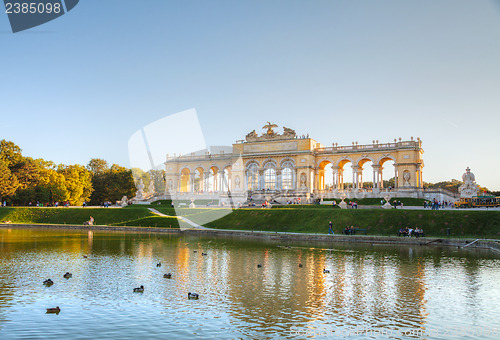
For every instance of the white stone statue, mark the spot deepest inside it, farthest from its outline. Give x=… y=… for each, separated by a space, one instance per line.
x=151 y=187
x=303 y=179
x=140 y=190
x=469 y=188
x=406 y=178
x=124 y=201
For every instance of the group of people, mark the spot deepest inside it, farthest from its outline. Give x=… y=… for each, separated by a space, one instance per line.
x=436 y=205
x=295 y=201
x=353 y=205
x=349 y=230
x=89 y=222
x=409 y=232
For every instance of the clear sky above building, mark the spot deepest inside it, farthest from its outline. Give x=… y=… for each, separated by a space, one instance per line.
x=78 y=87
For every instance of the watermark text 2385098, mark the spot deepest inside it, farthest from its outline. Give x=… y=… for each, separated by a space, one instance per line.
x=32 y=7
x=26 y=14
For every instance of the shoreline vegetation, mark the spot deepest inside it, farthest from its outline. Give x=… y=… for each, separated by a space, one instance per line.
x=304 y=222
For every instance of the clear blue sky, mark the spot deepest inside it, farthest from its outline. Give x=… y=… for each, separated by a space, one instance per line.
x=342 y=71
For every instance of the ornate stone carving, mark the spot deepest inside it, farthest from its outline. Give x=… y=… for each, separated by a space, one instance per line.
x=406 y=178
x=303 y=180
x=237 y=181
x=270 y=134
x=269 y=128
x=469 y=188
x=252 y=136
x=289 y=132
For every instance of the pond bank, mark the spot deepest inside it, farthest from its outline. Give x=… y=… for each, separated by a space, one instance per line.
x=490 y=244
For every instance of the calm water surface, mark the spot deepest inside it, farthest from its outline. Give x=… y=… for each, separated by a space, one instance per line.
x=371 y=292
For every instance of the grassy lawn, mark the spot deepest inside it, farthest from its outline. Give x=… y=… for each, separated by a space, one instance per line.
x=378 y=222
x=408 y=201
x=137 y=216
x=292 y=218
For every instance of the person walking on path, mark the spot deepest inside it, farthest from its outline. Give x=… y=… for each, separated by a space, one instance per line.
x=330 y=228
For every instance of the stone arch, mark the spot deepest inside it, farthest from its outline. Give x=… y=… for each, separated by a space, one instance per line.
x=382 y=159
x=268 y=161
x=325 y=174
x=212 y=180
x=287 y=174
x=285 y=160
x=345 y=179
x=381 y=174
x=249 y=162
x=185 y=180
x=325 y=160
x=270 y=175
x=198 y=180
x=252 y=175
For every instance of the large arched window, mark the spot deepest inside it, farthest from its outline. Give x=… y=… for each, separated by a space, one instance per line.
x=287 y=175
x=185 y=180
x=253 y=176
x=198 y=180
x=225 y=179
x=270 y=176
x=212 y=179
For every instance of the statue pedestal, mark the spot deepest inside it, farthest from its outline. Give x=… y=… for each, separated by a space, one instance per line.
x=387 y=205
x=343 y=205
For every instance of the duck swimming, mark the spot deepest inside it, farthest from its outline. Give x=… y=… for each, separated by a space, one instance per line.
x=53 y=310
x=326 y=271
x=259 y=266
x=168 y=276
x=193 y=296
x=67 y=275
x=300 y=265
x=139 y=290
x=204 y=254
x=158 y=264
x=48 y=282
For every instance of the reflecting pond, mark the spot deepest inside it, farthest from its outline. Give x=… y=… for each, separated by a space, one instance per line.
x=369 y=292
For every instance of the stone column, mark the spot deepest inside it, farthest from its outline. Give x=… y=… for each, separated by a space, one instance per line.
x=191 y=181
x=360 y=178
x=279 y=184
x=341 y=178
x=262 y=183
x=376 y=176
x=221 y=181
x=396 y=179
x=380 y=177
x=355 y=176
x=335 y=177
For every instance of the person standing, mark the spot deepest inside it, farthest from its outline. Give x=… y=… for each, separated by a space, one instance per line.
x=330 y=228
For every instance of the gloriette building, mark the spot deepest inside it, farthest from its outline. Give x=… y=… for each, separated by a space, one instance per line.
x=285 y=166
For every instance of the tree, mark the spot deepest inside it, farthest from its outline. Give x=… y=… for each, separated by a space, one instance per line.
x=8 y=181
x=10 y=153
x=97 y=165
x=78 y=182
x=158 y=178
x=112 y=184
